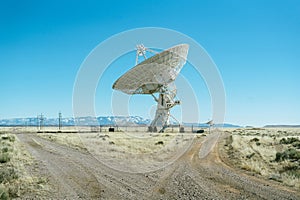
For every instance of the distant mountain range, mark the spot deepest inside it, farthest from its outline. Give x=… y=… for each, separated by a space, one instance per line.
x=91 y=121
x=83 y=121
x=282 y=126
x=204 y=125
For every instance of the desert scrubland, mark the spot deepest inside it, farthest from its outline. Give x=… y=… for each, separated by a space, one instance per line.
x=243 y=163
x=15 y=161
x=273 y=153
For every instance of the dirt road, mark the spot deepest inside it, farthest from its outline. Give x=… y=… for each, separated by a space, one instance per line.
x=73 y=174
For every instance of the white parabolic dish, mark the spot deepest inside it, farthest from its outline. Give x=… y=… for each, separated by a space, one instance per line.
x=152 y=74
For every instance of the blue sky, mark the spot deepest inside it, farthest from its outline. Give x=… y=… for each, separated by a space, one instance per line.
x=255 y=45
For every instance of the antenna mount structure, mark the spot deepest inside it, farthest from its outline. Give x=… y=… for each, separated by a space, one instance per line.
x=165 y=102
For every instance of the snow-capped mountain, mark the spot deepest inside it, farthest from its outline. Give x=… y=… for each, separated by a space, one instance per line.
x=70 y=121
x=91 y=121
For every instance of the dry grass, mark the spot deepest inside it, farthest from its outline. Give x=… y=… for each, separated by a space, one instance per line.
x=129 y=151
x=72 y=140
x=14 y=179
x=272 y=153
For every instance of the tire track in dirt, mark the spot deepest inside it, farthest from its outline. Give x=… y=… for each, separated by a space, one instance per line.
x=78 y=175
x=68 y=179
x=207 y=177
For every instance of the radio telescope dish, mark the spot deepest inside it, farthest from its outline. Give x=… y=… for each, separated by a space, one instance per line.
x=155 y=75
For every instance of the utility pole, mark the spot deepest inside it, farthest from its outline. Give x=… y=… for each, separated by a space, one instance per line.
x=59 y=120
x=41 y=121
x=37 y=122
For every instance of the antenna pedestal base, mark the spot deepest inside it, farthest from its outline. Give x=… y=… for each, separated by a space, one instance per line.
x=162 y=115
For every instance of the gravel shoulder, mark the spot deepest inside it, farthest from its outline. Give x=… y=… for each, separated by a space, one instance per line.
x=199 y=174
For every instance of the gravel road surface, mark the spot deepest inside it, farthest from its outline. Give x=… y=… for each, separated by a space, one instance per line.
x=74 y=174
